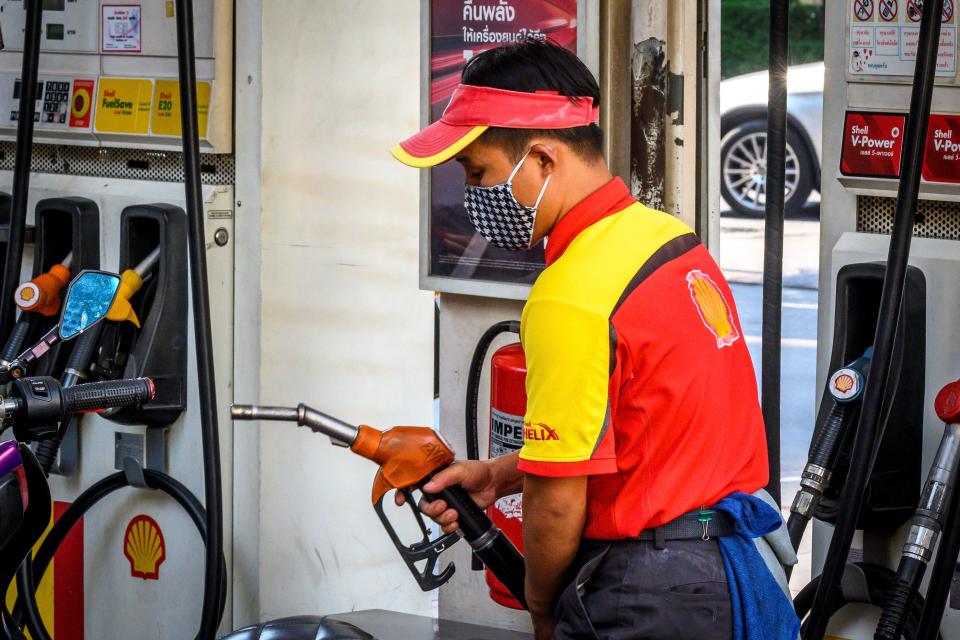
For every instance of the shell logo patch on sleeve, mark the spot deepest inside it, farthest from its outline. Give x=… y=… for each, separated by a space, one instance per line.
x=713 y=308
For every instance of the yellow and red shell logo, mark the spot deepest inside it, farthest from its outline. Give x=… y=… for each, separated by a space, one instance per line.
x=144 y=547
x=713 y=308
x=844 y=382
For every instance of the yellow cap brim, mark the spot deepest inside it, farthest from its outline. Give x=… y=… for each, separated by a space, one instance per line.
x=449 y=150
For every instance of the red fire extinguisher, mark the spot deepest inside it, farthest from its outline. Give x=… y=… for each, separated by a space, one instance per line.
x=508 y=404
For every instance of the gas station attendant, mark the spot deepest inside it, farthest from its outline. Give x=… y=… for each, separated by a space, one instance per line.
x=642 y=411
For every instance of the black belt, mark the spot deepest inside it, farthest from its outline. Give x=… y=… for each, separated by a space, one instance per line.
x=703 y=524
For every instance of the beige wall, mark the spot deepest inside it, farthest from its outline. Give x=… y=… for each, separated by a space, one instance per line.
x=344 y=327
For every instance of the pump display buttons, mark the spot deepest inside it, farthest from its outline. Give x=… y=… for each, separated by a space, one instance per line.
x=941 y=158
x=872 y=144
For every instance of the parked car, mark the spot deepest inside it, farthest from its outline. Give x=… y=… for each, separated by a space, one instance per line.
x=743 y=130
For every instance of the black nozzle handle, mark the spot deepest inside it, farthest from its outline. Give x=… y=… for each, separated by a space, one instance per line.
x=96 y=396
x=489 y=544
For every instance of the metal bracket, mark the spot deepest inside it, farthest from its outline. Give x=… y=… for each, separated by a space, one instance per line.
x=134 y=473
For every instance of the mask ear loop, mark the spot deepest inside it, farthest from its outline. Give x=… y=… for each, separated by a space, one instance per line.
x=520 y=164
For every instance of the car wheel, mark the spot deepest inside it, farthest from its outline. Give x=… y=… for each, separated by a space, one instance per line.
x=743 y=171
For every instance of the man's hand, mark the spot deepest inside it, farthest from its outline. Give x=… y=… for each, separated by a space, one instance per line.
x=484 y=480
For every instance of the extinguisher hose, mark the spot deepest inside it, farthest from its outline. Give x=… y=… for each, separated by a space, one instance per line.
x=473 y=393
x=70 y=517
x=473 y=381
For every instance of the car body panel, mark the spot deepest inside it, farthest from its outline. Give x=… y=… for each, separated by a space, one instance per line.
x=747 y=94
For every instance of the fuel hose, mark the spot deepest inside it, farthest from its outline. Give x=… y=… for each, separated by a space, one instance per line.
x=863 y=583
x=73 y=373
x=65 y=523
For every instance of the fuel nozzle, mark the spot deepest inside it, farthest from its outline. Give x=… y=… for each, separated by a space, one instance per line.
x=339 y=432
x=131 y=281
x=845 y=387
x=42 y=294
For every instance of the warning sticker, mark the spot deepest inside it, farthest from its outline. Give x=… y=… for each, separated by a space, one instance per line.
x=863 y=10
x=121 y=28
x=123 y=105
x=887 y=10
x=872 y=143
x=941 y=160
x=506 y=433
x=81 y=103
x=884 y=36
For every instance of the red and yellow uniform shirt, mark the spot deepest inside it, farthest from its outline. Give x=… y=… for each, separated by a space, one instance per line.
x=638 y=374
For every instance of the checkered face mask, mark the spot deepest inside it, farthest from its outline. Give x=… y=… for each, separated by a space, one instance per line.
x=498 y=217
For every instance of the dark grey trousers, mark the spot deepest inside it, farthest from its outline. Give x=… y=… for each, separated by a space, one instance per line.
x=632 y=590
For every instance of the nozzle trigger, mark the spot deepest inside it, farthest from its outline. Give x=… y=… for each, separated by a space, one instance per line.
x=425 y=549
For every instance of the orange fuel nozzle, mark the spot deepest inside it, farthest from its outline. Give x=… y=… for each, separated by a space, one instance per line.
x=120 y=310
x=405 y=455
x=42 y=294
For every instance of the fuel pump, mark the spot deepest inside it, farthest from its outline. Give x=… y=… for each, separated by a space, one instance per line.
x=884 y=256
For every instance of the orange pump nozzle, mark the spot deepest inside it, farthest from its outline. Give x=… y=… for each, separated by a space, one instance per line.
x=42 y=294
x=120 y=310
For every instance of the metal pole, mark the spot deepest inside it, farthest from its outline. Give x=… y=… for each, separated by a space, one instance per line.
x=21 y=166
x=870 y=428
x=775 y=153
x=214 y=581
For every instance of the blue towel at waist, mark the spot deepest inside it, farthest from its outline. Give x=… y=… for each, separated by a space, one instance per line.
x=761 y=611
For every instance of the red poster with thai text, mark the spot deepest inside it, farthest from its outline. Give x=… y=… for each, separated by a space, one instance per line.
x=459 y=31
x=872 y=144
x=941 y=158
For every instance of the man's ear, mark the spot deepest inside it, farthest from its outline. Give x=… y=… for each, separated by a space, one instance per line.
x=545 y=156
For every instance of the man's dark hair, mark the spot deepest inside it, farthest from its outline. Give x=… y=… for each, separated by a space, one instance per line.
x=537 y=65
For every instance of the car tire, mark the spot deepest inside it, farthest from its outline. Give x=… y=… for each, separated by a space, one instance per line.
x=743 y=176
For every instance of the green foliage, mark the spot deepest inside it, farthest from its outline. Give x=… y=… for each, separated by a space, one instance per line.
x=745 y=31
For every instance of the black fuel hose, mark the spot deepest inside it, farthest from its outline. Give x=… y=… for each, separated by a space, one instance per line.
x=473 y=394
x=214 y=577
x=489 y=543
x=877 y=581
x=10 y=279
x=925 y=527
x=83 y=503
x=17 y=338
x=79 y=361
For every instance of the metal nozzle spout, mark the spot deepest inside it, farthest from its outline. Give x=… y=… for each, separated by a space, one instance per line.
x=339 y=432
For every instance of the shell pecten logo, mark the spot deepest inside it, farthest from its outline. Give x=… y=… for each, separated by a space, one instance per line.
x=144 y=547
x=713 y=308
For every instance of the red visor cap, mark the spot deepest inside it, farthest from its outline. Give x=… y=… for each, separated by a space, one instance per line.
x=473 y=109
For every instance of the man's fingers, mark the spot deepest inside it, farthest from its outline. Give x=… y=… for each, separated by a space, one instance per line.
x=454 y=474
x=399 y=498
x=450 y=528
x=446 y=518
x=432 y=509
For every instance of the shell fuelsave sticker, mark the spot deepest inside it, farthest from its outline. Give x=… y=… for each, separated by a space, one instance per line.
x=713 y=308
x=144 y=547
